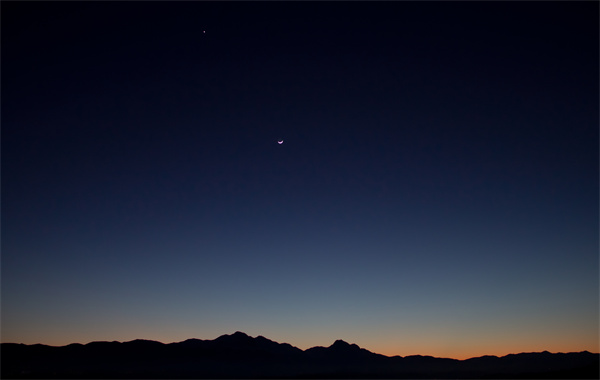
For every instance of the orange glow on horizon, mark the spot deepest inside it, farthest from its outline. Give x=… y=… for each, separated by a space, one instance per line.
x=491 y=350
x=461 y=348
x=387 y=351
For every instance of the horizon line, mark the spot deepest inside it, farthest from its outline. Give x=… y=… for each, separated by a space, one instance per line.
x=303 y=350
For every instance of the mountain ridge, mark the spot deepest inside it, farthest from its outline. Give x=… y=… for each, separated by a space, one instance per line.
x=239 y=355
x=336 y=343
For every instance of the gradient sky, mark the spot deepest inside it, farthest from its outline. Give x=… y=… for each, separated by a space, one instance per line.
x=436 y=192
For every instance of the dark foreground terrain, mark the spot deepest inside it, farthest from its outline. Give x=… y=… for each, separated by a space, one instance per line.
x=241 y=356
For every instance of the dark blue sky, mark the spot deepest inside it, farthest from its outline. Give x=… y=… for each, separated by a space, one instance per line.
x=436 y=192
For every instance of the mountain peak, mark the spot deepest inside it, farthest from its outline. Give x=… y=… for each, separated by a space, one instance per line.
x=238 y=335
x=340 y=343
x=343 y=345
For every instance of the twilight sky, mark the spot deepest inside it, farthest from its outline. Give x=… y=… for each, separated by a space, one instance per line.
x=436 y=192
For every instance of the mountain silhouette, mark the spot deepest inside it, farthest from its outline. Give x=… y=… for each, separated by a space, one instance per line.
x=243 y=357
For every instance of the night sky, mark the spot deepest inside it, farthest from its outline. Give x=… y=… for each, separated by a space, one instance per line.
x=436 y=192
